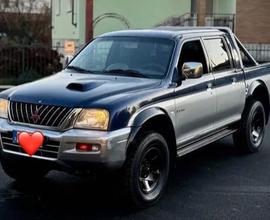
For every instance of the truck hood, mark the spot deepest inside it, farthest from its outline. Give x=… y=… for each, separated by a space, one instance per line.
x=79 y=90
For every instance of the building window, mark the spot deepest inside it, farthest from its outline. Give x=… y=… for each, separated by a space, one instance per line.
x=69 y=5
x=57 y=7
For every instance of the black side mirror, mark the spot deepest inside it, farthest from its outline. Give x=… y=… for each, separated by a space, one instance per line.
x=192 y=70
x=176 y=77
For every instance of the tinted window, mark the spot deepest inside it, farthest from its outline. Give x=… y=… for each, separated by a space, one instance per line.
x=192 y=51
x=218 y=54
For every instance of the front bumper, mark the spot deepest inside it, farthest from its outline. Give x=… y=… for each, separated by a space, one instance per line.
x=112 y=153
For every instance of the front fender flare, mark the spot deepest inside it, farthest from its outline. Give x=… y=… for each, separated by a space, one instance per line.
x=137 y=121
x=140 y=118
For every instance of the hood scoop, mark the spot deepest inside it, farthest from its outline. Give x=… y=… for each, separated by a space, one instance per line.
x=83 y=87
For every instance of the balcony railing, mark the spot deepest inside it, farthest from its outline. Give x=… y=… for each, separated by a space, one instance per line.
x=188 y=19
x=224 y=20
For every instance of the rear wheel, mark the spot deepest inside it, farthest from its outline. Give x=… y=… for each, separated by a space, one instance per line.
x=147 y=170
x=250 y=135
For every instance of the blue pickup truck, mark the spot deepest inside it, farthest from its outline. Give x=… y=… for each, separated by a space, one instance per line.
x=133 y=101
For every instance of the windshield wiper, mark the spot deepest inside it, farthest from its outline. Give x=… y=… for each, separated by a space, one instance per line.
x=79 y=69
x=132 y=73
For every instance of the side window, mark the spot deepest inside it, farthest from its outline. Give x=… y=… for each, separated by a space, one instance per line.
x=247 y=61
x=219 y=56
x=192 y=51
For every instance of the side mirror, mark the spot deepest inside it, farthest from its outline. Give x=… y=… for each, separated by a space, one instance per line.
x=192 y=70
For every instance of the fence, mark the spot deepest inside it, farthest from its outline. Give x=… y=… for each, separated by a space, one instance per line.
x=188 y=19
x=19 y=64
x=261 y=52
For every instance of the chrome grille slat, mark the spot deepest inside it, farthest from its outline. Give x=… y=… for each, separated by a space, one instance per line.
x=21 y=111
x=7 y=138
x=44 y=110
x=16 y=107
x=6 y=143
x=53 y=114
x=27 y=116
x=66 y=116
x=49 y=151
x=45 y=117
x=31 y=109
x=50 y=145
x=39 y=114
x=58 y=117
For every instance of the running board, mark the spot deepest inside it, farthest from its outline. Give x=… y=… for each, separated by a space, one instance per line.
x=203 y=142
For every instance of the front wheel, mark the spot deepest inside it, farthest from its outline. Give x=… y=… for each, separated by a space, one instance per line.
x=250 y=135
x=147 y=170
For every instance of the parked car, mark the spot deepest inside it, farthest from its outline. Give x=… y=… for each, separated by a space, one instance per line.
x=134 y=101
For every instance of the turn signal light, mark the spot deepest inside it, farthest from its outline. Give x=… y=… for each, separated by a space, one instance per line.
x=87 y=147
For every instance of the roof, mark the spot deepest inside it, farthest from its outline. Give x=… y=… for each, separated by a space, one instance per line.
x=166 y=31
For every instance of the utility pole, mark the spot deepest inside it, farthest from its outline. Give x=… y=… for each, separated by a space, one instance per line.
x=201 y=12
x=89 y=32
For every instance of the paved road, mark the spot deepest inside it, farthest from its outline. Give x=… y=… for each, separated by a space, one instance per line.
x=212 y=183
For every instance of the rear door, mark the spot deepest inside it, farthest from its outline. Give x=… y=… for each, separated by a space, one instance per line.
x=229 y=82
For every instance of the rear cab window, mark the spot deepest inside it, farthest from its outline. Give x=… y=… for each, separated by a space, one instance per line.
x=245 y=56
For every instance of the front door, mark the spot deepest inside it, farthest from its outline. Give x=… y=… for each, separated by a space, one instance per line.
x=195 y=98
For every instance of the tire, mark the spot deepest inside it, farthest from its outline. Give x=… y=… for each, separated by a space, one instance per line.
x=146 y=170
x=23 y=171
x=250 y=134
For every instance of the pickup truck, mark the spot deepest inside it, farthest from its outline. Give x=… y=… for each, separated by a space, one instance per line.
x=132 y=102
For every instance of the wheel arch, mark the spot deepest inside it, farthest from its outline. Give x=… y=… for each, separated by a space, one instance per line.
x=153 y=119
x=258 y=91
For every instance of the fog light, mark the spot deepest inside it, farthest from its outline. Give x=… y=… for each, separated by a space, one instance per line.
x=87 y=147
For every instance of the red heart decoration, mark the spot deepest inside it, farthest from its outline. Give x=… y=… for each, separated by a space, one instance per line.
x=30 y=142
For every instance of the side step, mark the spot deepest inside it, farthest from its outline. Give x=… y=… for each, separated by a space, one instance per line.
x=205 y=141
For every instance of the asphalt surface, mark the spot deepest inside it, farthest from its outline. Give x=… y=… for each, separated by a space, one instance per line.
x=212 y=183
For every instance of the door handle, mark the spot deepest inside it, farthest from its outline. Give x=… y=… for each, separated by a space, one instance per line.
x=209 y=86
x=234 y=80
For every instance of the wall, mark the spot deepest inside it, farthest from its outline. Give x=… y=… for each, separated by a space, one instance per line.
x=62 y=23
x=139 y=13
x=252 y=21
x=224 y=6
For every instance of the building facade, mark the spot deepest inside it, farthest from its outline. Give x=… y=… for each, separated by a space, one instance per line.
x=80 y=21
x=253 y=27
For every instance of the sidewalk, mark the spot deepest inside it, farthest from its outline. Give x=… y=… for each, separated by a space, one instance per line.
x=2 y=88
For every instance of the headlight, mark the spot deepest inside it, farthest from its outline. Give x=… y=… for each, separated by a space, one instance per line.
x=3 y=108
x=93 y=119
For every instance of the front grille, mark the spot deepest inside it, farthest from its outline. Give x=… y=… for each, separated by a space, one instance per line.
x=38 y=114
x=49 y=149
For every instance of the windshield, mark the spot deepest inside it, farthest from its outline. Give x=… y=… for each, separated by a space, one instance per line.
x=128 y=56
